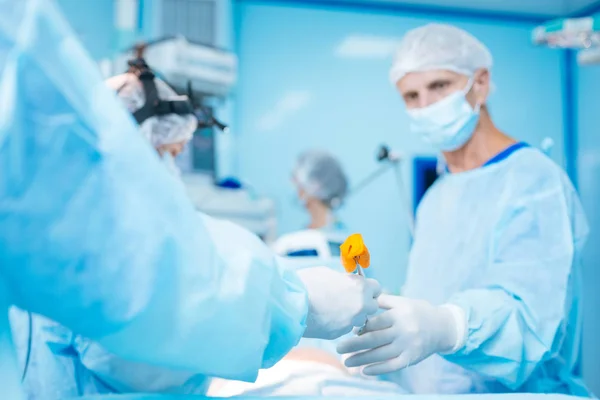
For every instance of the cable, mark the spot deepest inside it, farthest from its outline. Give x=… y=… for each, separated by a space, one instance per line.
x=369 y=179
x=29 y=345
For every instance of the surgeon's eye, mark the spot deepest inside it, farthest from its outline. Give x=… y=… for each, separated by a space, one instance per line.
x=439 y=85
x=410 y=97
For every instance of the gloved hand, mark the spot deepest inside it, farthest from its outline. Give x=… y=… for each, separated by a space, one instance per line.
x=406 y=333
x=337 y=302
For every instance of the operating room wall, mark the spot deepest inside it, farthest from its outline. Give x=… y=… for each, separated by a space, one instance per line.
x=318 y=77
x=588 y=167
x=93 y=25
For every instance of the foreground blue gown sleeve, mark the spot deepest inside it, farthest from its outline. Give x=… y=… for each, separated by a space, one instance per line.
x=516 y=318
x=96 y=234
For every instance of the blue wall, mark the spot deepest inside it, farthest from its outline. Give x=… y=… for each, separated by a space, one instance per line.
x=94 y=25
x=588 y=164
x=295 y=92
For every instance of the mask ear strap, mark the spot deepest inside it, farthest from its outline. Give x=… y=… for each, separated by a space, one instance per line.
x=467 y=89
x=469 y=85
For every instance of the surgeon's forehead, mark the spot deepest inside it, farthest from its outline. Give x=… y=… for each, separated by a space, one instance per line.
x=422 y=79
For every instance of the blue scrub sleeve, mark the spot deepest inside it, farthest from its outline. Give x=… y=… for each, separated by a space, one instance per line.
x=123 y=376
x=97 y=235
x=516 y=319
x=126 y=377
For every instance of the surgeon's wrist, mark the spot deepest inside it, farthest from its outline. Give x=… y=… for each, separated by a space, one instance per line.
x=457 y=319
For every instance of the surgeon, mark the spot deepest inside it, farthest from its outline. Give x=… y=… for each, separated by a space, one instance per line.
x=321 y=186
x=56 y=362
x=491 y=301
x=98 y=236
x=168 y=133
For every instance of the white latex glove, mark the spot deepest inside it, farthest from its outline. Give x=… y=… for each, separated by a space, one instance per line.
x=337 y=301
x=408 y=332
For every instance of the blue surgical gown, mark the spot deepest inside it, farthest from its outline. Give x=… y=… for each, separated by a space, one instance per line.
x=48 y=360
x=68 y=365
x=503 y=242
x=57 y=364
x=96 y=235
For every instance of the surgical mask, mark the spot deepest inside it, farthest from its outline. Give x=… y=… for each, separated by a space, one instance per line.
x=447 y=124
x=169 y=162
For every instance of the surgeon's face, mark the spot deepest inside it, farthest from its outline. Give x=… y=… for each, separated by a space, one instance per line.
x=300 y=193
x=303 y=198
x=173 y=148
x=422 y=89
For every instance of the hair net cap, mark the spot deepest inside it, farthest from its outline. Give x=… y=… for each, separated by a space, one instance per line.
x=439 y=46
x=320 y=175
x=159 y=130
